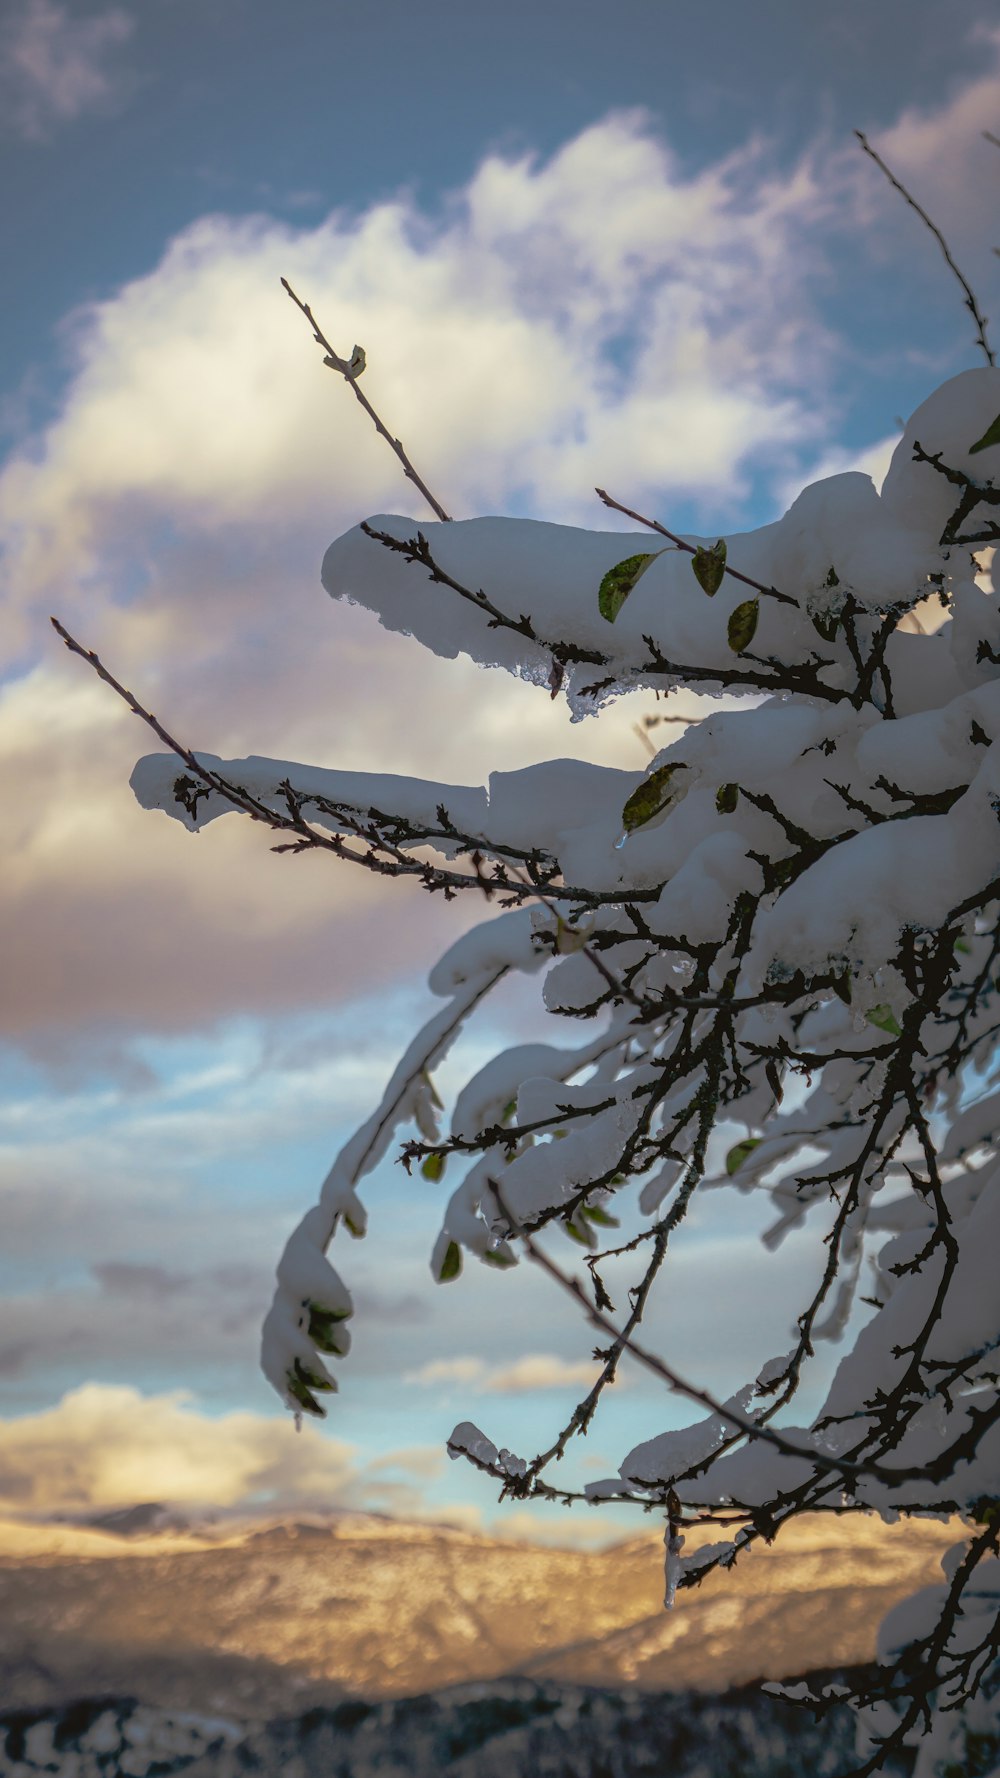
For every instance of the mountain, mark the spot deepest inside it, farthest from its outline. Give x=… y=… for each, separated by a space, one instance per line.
x=269 y=1621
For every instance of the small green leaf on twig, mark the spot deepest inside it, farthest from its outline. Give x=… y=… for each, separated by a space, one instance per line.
x=496 y=1257
x=323 y=1331
x=303 y=1396
x=432 y=1168
x=740 y=1151
x=990 y=437
x=314 y=1379
x=726 y=798
x=652 y=795
x=451 y=1265
x=884 y=1019
x=742 y=626
x=709 y=567
x=594 y=1213
x=620 y=580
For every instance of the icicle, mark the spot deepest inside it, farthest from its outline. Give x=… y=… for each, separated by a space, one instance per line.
x=674 y=1543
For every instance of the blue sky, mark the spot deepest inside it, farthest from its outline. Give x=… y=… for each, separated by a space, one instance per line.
x=644 y=251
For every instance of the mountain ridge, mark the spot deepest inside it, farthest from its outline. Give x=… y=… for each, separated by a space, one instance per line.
x=297 y=1614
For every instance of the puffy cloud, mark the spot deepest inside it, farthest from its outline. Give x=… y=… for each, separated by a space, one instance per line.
x=535 y=1371
x=442 y=1371
x=942 y=150
x=181 y=501
x=940 y=154
x=542 y=1370
x=106 y=1446
x=54 y=68
x=599 y=314
x=602 y=314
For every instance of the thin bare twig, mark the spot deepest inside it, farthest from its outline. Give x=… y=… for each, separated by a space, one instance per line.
x=350 y=373
x=970 y=295
x=747 y=1426
x=769 y=592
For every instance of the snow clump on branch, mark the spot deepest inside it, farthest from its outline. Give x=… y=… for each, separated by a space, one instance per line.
x=789 y=922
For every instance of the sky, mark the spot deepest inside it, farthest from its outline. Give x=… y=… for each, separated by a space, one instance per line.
x=640 y=250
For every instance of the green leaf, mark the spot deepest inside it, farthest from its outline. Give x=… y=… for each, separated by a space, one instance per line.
x=322 y=1313
x=884 y=1019
x=492 y=1257
x=652 y=795
x=304 y=1396
x=594 y=1213
x=990 y=437
x=620 y=580
x=739 y=1152
x=963 y=947
x=323 y=1331
x=726 y=798
x=578 y=1233
x=314 y=1379
x=709 y=567
x=432 y=1168
x=742 y=626
x=451 y=1265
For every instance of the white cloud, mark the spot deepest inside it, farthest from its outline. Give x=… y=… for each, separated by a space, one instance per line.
x=448 y=1370
x=942 y=147
x=105 y=1446
x=202 y=460
x=54 y=68
x=599 y=314
x=542 y=1370
x=535 y=1371
x=939 y=153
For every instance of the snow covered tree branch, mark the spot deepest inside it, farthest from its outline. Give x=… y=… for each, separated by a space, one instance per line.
x=782 y=941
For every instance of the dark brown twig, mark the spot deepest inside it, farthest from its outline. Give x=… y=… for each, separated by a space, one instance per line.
x=350 y=376
x=768 y=592
x=970 y=295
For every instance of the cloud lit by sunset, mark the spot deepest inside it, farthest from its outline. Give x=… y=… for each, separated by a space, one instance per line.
x=591 y=284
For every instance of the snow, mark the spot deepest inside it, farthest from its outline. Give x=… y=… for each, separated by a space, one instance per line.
x=787 y=953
